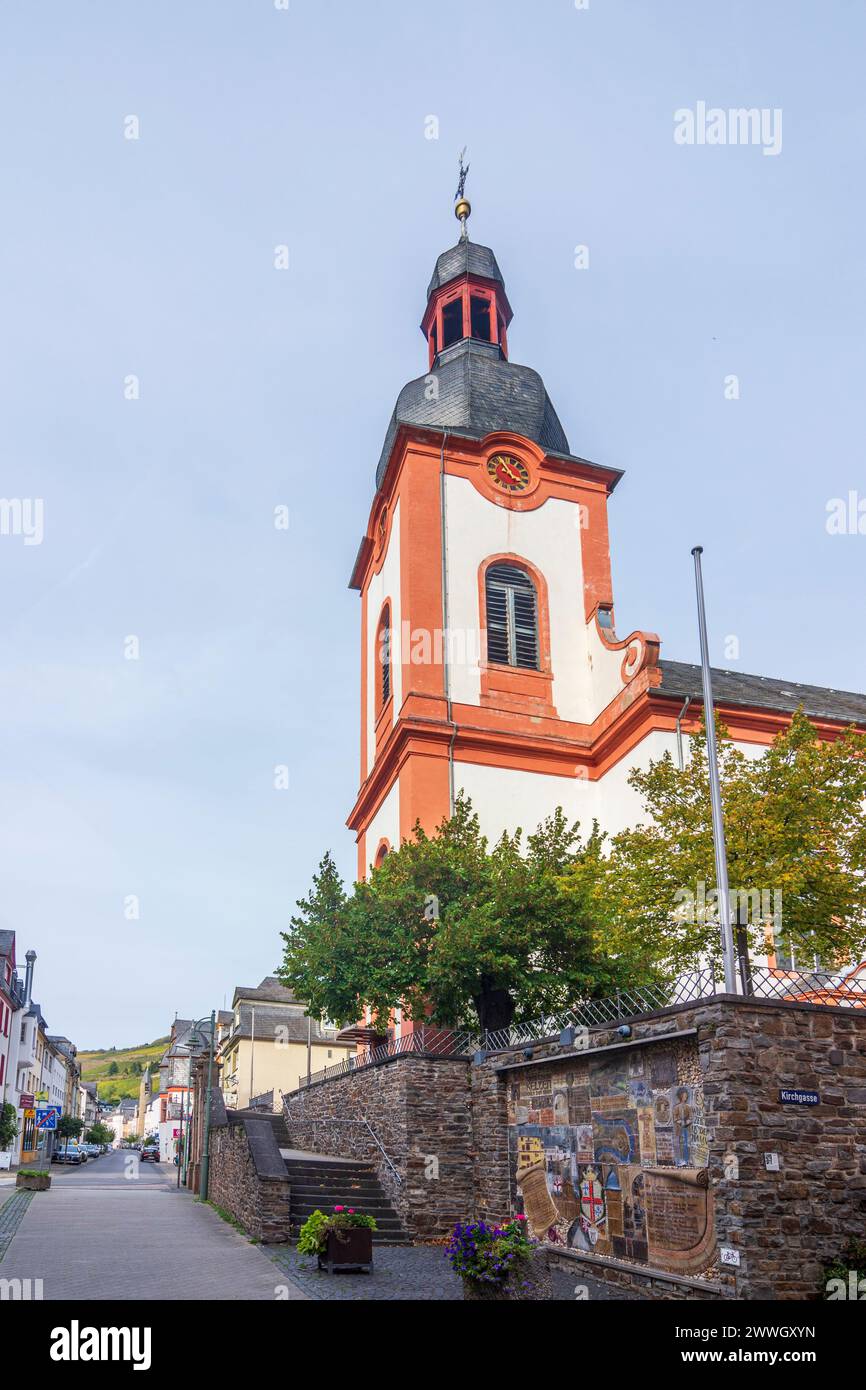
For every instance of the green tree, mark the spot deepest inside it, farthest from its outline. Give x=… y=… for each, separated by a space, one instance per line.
x=99 y=1134
x=447 y=928
x=796 y=845
x=8 y=1124
x=114 y=1069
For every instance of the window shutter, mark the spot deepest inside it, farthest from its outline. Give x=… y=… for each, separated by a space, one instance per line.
x=385 y=655
x=512 y=617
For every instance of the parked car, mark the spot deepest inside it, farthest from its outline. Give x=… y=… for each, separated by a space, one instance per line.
x=92 y=1150
x=71 y=1153
x=150 y=1153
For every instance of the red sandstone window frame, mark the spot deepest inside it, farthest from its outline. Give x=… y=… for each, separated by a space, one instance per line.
x=517 y=688
x=384 y=705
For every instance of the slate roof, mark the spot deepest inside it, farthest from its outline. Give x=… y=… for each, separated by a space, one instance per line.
x=464 y=258
x=7 y=943
x=270 y=990
x=680 y=679
x=293 y=1025
x=479 y=392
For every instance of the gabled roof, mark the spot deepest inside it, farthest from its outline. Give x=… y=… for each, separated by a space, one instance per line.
x=680 y=679
x=270 y=990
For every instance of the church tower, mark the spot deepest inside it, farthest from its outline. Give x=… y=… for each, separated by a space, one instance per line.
x=489 y=660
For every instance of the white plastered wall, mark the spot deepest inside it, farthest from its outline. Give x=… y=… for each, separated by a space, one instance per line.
x=385 y=825
x=506 y=798
x=548 y=538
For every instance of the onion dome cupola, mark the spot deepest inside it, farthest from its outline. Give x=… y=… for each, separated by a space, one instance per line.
x=471 y=387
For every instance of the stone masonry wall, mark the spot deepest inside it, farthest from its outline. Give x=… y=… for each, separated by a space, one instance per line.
x=786 y=1225
x=448 y=1116
x=247 y=1181
x=419 y=1107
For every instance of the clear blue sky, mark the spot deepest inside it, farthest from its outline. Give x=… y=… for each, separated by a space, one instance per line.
x=155 y=257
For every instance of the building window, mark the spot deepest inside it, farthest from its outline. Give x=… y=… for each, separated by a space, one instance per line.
x=512 y=617
x=383 y=648
x=452 y=322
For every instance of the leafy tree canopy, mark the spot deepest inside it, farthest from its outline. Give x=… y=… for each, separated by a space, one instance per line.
x=796 y=843
x=508 y=932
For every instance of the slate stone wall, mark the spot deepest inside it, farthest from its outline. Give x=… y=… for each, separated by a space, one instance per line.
x=419 y=1107
x=449 y=1117
x=248 y=1178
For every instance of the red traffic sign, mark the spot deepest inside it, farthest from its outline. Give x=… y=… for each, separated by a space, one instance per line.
x=26 y=1100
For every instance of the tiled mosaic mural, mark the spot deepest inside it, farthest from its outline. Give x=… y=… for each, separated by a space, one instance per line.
x=609 y=1154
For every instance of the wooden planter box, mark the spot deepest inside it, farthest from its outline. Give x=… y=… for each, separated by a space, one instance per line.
x=528 y=1282
x=353 y=1249
x=34 y=1182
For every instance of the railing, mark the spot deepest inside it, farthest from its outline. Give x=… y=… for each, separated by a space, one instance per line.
x=362 y=1120
x=437 y=1042
x=844 y=989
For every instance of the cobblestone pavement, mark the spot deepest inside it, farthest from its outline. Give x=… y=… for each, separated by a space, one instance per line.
x=420 y=1273
x=98 y=1234
x=11 y=1215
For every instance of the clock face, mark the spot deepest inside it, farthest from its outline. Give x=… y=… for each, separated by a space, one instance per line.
x=508 y=472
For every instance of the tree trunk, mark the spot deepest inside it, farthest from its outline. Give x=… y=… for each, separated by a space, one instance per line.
x=495 y=1007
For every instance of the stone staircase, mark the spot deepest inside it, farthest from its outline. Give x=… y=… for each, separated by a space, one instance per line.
x=320 y=1182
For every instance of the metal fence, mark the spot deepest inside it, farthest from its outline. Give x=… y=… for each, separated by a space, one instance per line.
x=843 y=989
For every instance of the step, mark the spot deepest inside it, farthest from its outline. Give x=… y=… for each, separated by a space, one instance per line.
x=307 y=1208
x=358 y=1190
x=336 y=1170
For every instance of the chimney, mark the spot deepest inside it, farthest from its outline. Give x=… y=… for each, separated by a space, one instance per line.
x=28 y=978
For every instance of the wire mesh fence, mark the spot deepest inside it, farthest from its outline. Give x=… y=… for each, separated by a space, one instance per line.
x=841 y=989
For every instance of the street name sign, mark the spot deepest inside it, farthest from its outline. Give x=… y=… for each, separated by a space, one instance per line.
x=799 y=1097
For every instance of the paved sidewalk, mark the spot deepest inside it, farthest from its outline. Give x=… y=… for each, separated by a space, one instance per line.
x=96 y=1235
x=419 y=1273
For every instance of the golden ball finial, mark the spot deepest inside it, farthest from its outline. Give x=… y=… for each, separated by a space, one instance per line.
x=462 y=209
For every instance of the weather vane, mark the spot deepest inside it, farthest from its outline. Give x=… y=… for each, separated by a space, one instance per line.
x=462 y=205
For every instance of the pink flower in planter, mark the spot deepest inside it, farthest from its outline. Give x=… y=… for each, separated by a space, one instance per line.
x=521 y=1217
x=339 y=1208
x=351 y=1211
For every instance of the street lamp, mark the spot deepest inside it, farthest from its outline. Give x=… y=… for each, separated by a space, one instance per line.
x=197 y=1042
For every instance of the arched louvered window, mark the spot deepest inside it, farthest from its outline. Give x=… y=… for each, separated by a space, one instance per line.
x=512 y=617
x=384 y=646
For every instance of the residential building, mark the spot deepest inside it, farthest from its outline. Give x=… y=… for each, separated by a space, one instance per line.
x=89 y=1103
x=67 y=1050
x=11 y=1006
x=271 y=1043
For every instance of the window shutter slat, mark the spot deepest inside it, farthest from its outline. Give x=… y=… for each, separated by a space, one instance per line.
x=512 y=617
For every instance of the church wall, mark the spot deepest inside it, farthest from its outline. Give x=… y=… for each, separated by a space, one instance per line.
x=508 y=797
x=548 y=537
x=385 y=825
x=383 y=586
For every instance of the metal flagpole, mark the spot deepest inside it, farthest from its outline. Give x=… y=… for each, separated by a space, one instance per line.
x=719 y=848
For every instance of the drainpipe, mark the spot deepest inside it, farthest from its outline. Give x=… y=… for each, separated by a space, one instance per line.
x=681 y=716
x=446 y=635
